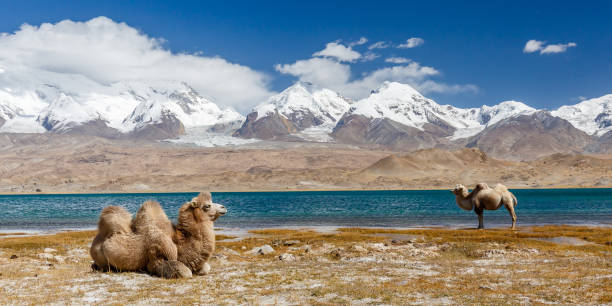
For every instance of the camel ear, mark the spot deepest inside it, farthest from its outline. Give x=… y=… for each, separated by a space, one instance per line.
x=194 y=204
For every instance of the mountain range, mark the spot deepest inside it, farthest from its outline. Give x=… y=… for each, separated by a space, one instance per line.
x=395 y=116
x=72 y=104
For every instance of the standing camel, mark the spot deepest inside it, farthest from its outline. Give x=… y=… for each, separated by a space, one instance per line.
x=483 y=197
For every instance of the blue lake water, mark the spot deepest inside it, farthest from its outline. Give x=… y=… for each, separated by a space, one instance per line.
x=247 y=210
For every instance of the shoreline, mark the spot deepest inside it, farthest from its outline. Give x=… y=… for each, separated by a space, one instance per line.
x=321 y=229
x=560 y=187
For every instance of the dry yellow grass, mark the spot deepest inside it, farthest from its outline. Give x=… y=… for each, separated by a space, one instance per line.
x=352 y=265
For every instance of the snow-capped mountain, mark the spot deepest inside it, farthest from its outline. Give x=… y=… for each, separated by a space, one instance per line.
x=593 y=116
x=39 y=102
x=403 y=104
x=302 y=110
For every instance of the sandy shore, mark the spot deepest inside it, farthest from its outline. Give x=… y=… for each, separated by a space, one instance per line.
x=547 y=264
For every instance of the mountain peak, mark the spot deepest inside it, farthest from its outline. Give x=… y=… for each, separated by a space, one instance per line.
x=593 y=116
x=395 y=89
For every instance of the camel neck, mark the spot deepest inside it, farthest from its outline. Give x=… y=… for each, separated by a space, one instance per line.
x=207 y=232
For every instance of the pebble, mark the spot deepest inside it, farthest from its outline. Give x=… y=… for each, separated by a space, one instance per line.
x=265 y=250
x=59 y=259
x=262 y=250
x=286 y=257
x=45 y=256
x=49 y=250
x=14 y=256
x=291 y=242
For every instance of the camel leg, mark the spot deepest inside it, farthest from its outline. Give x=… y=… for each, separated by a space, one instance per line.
x=168 y=269
x=479 y=212
x=510 y=209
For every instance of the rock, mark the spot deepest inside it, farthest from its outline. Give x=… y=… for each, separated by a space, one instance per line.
x=59 y=259
x=291 y=242
x=394 y=241
x=265 y=250
x=286 y=257
x=14 y=256
x=77 y=253
x=243 y=247
x=359 y=249
x=377 y=247
x=49 y=250
x=262 y=250
x=45 y=256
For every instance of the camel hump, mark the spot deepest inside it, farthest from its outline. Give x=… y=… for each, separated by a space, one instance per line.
x=500 y=187
x=480 y=186
x=151 y=213
x=114 y=219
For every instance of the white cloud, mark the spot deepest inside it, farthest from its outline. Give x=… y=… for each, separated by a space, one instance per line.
x=538 y=45
x=107 y=51
x=533 y=46
x=337 y=76
x=339 y=52
x=398 y=60
x=379 y=45
x=412 y=42
x=557 y=48
x=322 y=71
x=370 y=56
x=360 y=42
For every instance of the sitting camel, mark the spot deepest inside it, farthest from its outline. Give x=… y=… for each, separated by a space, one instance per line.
x=151 y=243
x=483 y=197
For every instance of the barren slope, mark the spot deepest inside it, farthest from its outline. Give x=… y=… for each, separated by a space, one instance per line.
x=60 y=163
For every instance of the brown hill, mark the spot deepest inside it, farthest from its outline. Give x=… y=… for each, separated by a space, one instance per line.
x=530 y=137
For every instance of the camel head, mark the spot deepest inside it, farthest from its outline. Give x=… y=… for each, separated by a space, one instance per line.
x=459 y=190
x=204 y=202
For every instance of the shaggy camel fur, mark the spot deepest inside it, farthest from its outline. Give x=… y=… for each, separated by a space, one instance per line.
x=151 y=243
x=116 y=247
x=483 y=197
x=194 y=233
x=143 y=245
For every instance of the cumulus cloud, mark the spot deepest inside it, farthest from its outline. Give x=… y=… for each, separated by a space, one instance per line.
x=378 y=45
x=412 y=43
x=533 y=46
x=360 y=42
x=398 y=60
x=335 y=75
x=322 y=71
x=339 y=52
x=557 y=48
x=106 y=51
x=538 y=45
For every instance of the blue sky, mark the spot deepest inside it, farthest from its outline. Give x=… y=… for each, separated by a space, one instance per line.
x=478 y=44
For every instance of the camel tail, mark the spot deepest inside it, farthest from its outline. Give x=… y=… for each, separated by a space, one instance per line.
x=515 y=200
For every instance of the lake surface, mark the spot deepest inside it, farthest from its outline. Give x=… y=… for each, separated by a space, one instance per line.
x=246 y=210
